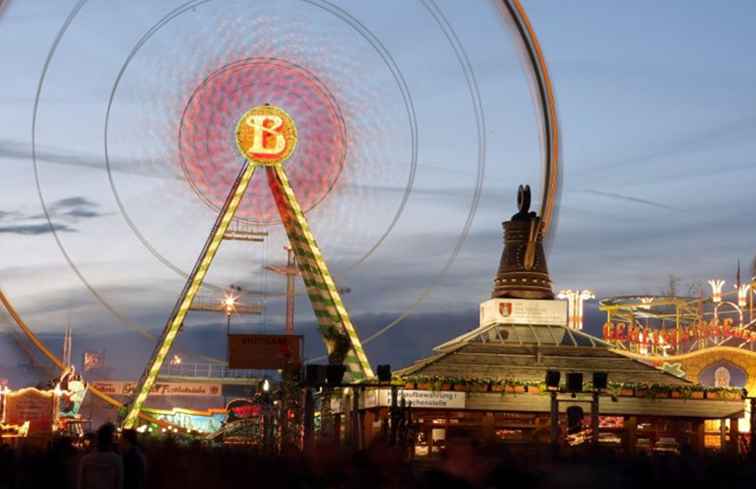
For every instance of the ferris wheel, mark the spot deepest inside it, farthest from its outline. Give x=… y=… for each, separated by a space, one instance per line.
x=292 y=123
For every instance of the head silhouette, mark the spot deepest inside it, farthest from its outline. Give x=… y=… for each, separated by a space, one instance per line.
x=105 y=437
x=129 y=437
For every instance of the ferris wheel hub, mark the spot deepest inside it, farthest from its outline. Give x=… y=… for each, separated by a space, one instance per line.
x=266 y=135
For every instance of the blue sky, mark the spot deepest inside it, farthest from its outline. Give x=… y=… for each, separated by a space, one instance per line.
x=656 y=108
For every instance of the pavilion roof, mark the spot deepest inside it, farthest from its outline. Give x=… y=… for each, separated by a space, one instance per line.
x=526 y=352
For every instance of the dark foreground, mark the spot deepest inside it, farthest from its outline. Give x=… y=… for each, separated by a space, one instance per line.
x=171 y=465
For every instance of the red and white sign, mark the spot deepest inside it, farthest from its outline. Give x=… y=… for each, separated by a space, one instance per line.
x=126 y=388
x=523 y=311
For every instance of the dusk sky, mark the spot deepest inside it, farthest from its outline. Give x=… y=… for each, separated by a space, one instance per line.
x=657 y=112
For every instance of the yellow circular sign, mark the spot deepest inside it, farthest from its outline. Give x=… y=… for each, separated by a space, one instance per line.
x=266 y=135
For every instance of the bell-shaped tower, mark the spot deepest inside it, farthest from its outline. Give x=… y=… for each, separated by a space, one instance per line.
x=522 y=270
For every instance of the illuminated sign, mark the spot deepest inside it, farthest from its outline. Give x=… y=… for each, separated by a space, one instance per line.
x=523 y=311
x=243 y=409
x=266 y=135
x=671 y=337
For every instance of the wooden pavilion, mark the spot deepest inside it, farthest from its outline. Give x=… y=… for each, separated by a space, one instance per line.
x=489 y=384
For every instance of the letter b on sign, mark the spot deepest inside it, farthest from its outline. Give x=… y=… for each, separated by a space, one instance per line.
x=266 y=135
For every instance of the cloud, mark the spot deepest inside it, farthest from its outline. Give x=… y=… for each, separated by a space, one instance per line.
x=69 y=202
x=35 y=229
x=70 y=209
x=82 y=214
x=21 y=151
x=9 y=215
x=613 y=195
x=74 y=208
x=735 y=130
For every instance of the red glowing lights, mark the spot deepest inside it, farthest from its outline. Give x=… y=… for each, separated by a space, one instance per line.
x=208 y=151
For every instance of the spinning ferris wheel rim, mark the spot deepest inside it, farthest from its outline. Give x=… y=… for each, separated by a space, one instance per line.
x=362 y=30
x=356 y=25
x=551 y=192
x=549 y=120
x=109 y=307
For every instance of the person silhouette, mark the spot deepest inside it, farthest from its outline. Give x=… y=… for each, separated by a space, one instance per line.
x=102 y=468
x=133 y=461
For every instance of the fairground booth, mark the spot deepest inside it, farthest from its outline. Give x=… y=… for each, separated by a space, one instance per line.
x=33 y=414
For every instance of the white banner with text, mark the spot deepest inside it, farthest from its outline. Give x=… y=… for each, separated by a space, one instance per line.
x=126 y=388
x=418 y=398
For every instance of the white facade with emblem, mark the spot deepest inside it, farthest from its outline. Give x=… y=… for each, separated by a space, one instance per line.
x=523 y=311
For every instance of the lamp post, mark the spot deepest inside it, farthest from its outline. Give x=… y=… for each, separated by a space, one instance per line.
x=716 y=290
x=575 y=300
x=583 y=295
x=229 y=306
x=743 y=294
x=267 y=418
x=716 y=295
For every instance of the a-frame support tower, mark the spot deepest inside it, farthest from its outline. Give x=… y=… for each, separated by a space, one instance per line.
x=266 y=136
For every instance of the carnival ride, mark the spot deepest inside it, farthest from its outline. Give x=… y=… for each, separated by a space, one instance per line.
x=672 y=325
x=266 y=137
x=57 y=362
x=708 y=340
x=255 y=131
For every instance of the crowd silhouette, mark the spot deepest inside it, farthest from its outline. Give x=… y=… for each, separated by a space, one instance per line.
x=168 y=463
